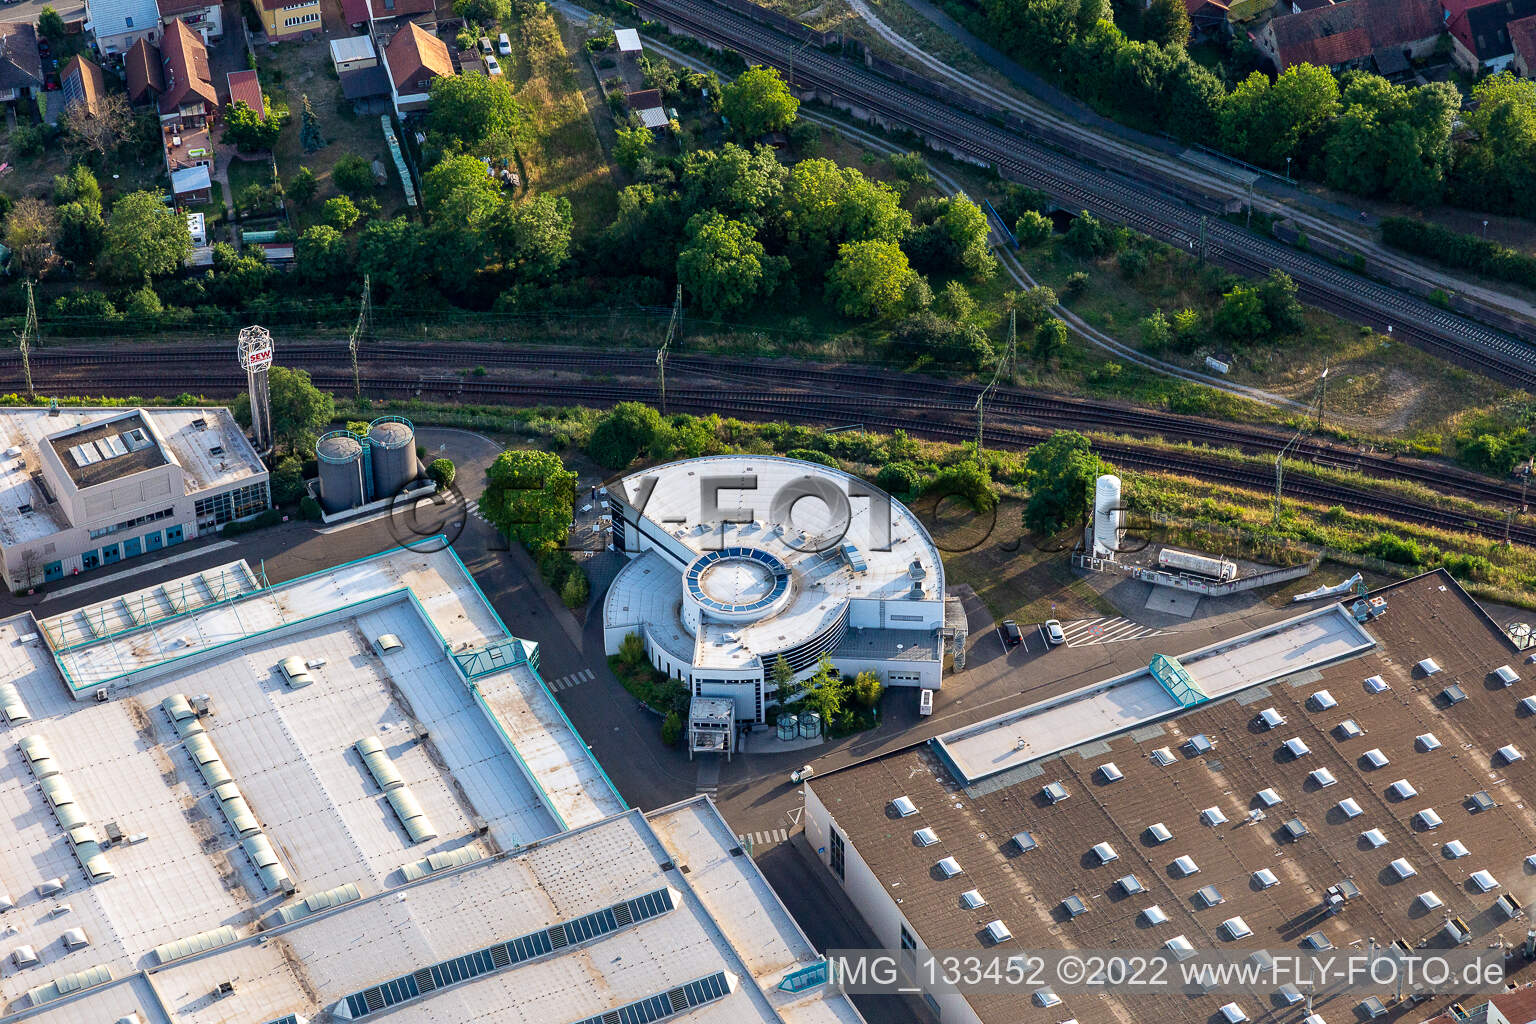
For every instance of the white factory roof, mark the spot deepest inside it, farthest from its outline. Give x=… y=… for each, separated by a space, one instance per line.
x=1298 y=644
x=23 y=431
x=719 y=920
x=831 y=561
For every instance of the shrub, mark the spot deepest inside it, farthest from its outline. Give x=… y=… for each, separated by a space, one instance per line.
x=811 y=455
x=672 y=729
x=576 y=589
x=442 y=472
x=899 y=479
x=1076 y=282
x=1392 y=548
x=310 y=509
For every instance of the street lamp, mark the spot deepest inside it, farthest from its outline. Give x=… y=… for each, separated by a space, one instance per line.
x=1485 y=230
x=1288 y=169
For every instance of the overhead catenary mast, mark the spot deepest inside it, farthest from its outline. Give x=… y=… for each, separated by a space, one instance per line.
x=1005 y=362
x=359 y=335
x=28 y=335
x=661 y=353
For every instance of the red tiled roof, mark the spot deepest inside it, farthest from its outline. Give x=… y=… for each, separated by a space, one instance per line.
x=1522 y=34
x=1478 y=23
x=141 y=64
x=415 y=53
x=245 y=87
x=1351 y=30
x=186 y=68
x=92 y=86
x=354 y=11
x=171 y=8
x=402 y=8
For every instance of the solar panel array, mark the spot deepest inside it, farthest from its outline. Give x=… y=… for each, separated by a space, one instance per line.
x=667 y=1004
x=506 y=954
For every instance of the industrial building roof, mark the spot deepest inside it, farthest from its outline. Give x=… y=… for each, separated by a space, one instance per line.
x=206 y=443
x=107 y=449
x=879 y=550
x=224 y=767
x=1479 y=798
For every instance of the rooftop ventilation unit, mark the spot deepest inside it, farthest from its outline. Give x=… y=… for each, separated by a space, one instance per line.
x=1163 y=757
x=1322 y=700
x=1294 y=830
x=1184 y=866
x=1270 y=718
x=387 y=642
x=1055 y=793
x=1453 y=695
x=1322 y=778
x=1074 y=906
x=972 y=899
x=1236 y=928
x=1480 y=801
x=1455 y=850
x=1209 y=896
x=1427 y=741
x=1506 y=675
x=1105 y=853
x=1350 y=807
x=904 y=807
x=1429 y=666
x=1269 y=797
x=925 y=837
x=1375 y=758
x=295 y=672
x=1402 y=789
x=1264 y=878
x=1349 y=729
x=1317 y=941
x=1296 y=748
x=1198 y=745
x=1212 y=816
x=1429 y=900
x=1508 y=754
x=1110 y=772
x=1427 y=819
x=1483 y=881
x=949 y=867
x=1376 y=684
x=1154 y=916
x=997 y=932
x=1159 y=833
x=1402 y=869
x=1508 y=905
x=1130 y=885
x=1024 y=842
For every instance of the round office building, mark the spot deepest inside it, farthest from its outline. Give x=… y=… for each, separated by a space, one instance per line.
x=735 y=561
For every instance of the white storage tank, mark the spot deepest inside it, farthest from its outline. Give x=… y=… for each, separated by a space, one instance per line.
x=1108 y=520
x=392 y=441
x=1218 y=569
x=343 y=478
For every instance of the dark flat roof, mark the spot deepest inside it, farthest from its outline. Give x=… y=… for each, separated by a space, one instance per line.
x=1427 y=617
x=134 y=461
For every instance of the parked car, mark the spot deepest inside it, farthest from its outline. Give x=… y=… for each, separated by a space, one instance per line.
x=504 y=45
x=1053 y=632
x=801 y=774
x=485 y=44
x=1012 y=634
x=492 y=68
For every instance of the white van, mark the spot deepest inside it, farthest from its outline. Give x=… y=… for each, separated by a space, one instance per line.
x=925 y=701
x=504 y=45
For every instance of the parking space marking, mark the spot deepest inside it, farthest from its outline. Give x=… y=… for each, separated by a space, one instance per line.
x=1088 y=632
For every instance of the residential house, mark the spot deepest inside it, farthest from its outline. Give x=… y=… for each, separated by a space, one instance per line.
x=186 y=109
x=289 y=19
x=206 y=17
x=353 y=53
x=414 y=58
x=1480 y=37
x=245 y=87
x=367 y=89
x=1351 y=34
x=81 y=82
x=391 y=15
x=1522 y=39
x=118 y=24
x=1207 y=19
x=144 y=73
x=21 y=67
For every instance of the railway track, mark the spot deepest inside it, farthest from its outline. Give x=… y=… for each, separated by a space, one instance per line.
x=81 y=370
x=1077 y=181
x=934 y=418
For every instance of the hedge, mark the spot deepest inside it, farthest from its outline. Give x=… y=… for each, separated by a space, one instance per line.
x=1454 y=249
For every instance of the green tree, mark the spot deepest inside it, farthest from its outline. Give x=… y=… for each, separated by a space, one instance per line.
x=826 y=206
x=1062 y=470
x=80 y=232
x=967 y=480
x=459 y=190
x=954 y=238
x=143 y=302
x=1089 y=238
x=1282 y=308
x=1050 y=339
x=300 y=411
x=758 y=101
x=287 y=481
x=1033 y=229
x=672 y=729
x=575 y=591
x=78 y=185
x=533 y=237
x=442 y=472
x=1034 y=305
x=1265 y=123
x=1186 y=322
x=50 y=24
x=529 y=497
x=1156 y=332
x=31 y=230
x=486 y=13
x=1166 y=23
x=870 y=279
x=475 y=114
x=1240 y=318
x=322 y=256
x=1493 y=166
x=310 y=136
x=389 y=251
x=784 y=682
x=353 y=177
x=144 y=238
x=340 y=213
x=741 y=184
x=721 y=267
x=619 y=437
x=867 y=689
x=302 y=186
x=632 y=147
x=249 y=130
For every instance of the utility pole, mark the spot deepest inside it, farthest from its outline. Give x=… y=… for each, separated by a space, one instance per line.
x=359 y=333
x=28 y=334
x=1322 y=395
x=1005 y=361
x=661 y=353
x=1292 y=445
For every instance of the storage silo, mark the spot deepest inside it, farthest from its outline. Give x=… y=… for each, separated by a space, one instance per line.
x=1108 y=517
x=392 y=443
x=343 y=478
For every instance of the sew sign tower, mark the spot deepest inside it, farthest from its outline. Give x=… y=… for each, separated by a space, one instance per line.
x=256 y=358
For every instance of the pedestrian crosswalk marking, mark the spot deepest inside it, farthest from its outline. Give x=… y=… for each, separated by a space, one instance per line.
x=473 y=508
x=572 y=679
x=1110 y=630
x=763 y=838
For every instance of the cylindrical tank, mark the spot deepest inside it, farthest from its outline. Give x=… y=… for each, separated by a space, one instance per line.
x=810 y=725
x=789 y=727
x=392 y=444
x=342 y=483
x=1107 y=517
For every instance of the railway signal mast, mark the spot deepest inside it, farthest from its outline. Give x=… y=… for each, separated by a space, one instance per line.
x=661 y=353
x=1293 y=443
x=1005 y=362
x=28 y=335
x=359 y=333
x=255 y=348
